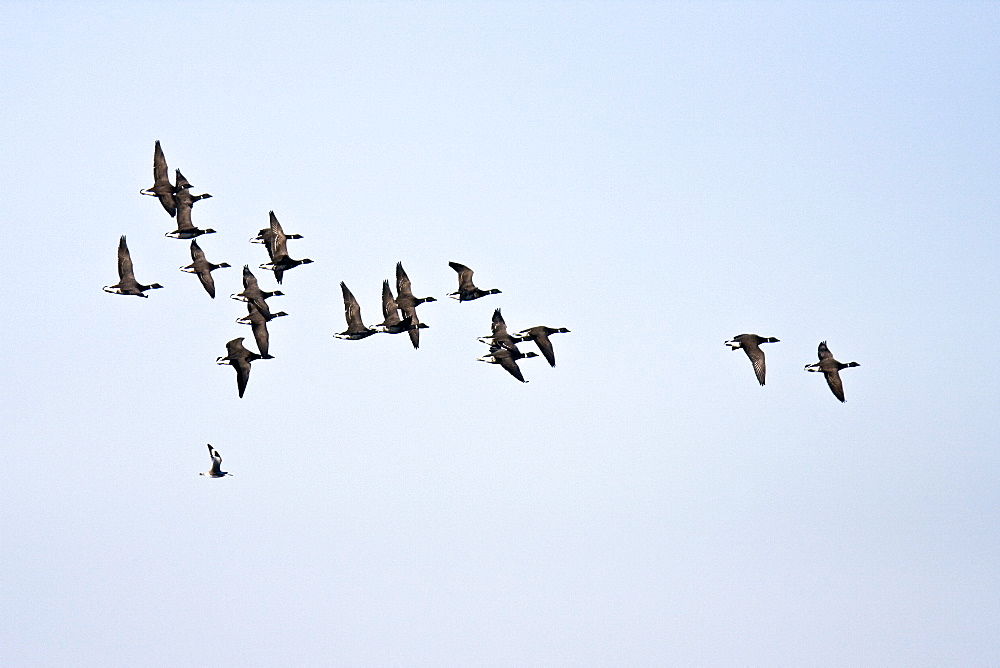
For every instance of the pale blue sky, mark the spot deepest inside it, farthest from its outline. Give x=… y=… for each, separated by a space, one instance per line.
x=657 y=177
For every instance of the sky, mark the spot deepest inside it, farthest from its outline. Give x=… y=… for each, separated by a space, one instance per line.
x=656 y=177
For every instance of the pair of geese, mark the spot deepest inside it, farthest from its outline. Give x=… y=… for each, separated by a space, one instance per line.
x=830 y=367
x=176 y=198
x=504 y=350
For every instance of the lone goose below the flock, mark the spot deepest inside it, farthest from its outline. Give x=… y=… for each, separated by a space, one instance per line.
x=750 y=343
x=127 y=285
x=467 y=291
x=216 y=470
x=831 y=369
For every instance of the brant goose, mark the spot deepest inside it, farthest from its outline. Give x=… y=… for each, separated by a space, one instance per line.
x=540 y=335
x=352 y=312
x=127 y=285
x=750 y=343
x=467 y=291
x=278 y=252
x=500 y=338
x=392 y=323
x=831 y=369
x=408 y=303
x=203 y=268
x=258 y=318
x=252 y=292
x=507 y=359
x=161 y=188
x=240 y=358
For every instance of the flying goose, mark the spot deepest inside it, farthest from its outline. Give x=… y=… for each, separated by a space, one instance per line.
x=161 y=188
x=352 y=312
x=203 y=268
x=750 y=343
x=127 y=285
x=216 y=471
x=240 y=358
x=407 y=303
x=392 y=323
x=507 y=359
x=252 y=291
x=467 y=291
x=278 y=251
x=258 y=318
x=500 y=338
x=540 y=335
x=185 y=200
x=831 y=369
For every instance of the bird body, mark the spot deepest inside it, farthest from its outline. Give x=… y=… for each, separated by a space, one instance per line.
x=500 y=338
x=540 y=335
x=507 y=359
x=831 y=369
x=127 y=285
x=203 y=268
x=407 y=303
x=352 y=313
x=750 y=344
x=252 y=291
x=162 y=189
x=240 y=359
x=393 y=324
x=216 y=470
x=278 y=251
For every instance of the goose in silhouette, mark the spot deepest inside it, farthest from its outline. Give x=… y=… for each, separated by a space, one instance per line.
x=831 y=369
x=500 y=338
x=540 y=335
x=252 y=291
x=467 y=291
x=407 y=303
x=392 y=323
x=267 y=235
x=216 y=471
x=185 y=200
x=507 y=359
x=161 y=188
x=277 y=250
x=352 y=312
x=258 y=318
x=127 y=285
x=750 y=343
x=182 y=190
x=240 y=359
x=203 y=268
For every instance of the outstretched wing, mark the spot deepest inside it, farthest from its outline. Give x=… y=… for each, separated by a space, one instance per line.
x=836 y=385
x=389 y=309
x=402 y=281
x=464 y=276
x=124 y=261
x=756 y=356
x=196 y=252
x=824 y=352
x=277 y=243
x=545 y=345
x=352 y=312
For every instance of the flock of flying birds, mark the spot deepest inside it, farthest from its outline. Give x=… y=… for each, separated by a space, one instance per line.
x=178 y=201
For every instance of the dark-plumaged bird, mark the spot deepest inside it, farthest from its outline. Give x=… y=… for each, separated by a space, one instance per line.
x=252 y=291
x=184 y=201
x=278 y=251
x=507 y=359
x=750 y=343
x=540 y=335
x=831 y=369
x=352 y=313
x=500 y=338
x=161 y=188
x=393 y=324
x=407 y=303
x=258 y=318
x=467 y=291
x=240 y=359
x=203 y=268
x=216 y=470
x=127 y=285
